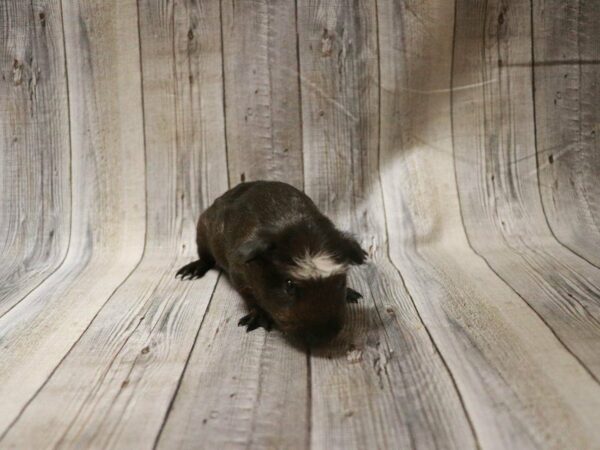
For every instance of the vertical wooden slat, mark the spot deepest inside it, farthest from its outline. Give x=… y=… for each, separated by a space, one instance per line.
x=240 y=389
x=496 y=170
x=493 y=129
x=184 y=115
x=567 y=95
x=142 y=338
x=478 y=328
x=261 y=87
x=383 y=384
x=35 y=198
x=508 y=366
x=108 y=216
x=244 y=389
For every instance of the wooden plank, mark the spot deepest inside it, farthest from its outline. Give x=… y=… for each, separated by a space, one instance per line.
x=520 y=386
x=494 y=125
x=240 y=389
x=247 y=388
x=567 y=95
x=184 y=112
x=448 y=349
x=261 y=91
x=108 y=224
x=115 y=387
x=34 y=148
x=383 y=384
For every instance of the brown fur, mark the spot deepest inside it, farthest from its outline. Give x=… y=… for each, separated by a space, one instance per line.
x=254 y=232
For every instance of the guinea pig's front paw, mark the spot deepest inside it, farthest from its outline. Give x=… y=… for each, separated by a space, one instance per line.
x=196 y=269
x=352 y=296
x=257 y=318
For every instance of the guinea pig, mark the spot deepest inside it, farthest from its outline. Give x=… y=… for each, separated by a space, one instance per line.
x=285 y=258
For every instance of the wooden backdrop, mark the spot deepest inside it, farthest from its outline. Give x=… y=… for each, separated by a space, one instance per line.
x=458 y=140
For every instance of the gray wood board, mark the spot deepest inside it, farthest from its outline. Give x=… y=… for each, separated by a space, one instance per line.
x=35 y=198
x=566 y=62
x=261 y=91
x=366 y=394
x=240 y=388
x=108 y=203
x=501 y=206
x=456 y=140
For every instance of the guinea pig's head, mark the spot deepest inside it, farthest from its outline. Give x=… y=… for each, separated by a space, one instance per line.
x=299 y=279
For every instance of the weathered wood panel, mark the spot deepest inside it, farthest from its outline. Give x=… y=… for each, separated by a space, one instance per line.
x=494 y=126
x=428 y=137
x=108 y=220
x=247 y=388
x=567 y=94
x=261 y=91
x=142 y=337
x=240 y=389
x=115 y=386
x=186 y=163
x=35 y=198
x=482 y=329
x=384 y=384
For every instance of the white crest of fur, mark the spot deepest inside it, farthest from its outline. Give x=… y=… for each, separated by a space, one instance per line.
x=319 y=265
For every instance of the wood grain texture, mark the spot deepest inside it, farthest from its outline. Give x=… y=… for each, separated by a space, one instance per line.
x=261 y=91
x=240 y=389
x=455 y=139
x=482 y=329
x=501 y=207
x=186 y=161
x=567 y=79
x=229 y=370
x=108 y=220
x=35 y=197
x=383 y=385
x=115 y=387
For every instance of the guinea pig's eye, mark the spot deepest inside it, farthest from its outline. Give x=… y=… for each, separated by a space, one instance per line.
x=290 y=287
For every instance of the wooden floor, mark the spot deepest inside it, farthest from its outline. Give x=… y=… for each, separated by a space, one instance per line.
x=459 y=141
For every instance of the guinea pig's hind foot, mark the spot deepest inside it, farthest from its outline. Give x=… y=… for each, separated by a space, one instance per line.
x=196 y=269
x=352 y=296
x=257 y=318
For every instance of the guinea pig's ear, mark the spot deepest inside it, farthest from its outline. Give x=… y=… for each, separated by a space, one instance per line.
x=351 y=251
x=255 y=248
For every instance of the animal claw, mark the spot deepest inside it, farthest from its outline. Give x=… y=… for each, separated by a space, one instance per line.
x=245 y=320
x=256 y=319
x=352 y=296
x=253 y=325
x=193 y=270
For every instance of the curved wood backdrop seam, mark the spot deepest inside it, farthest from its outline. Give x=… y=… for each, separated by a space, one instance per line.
x=108 y=205
x=34 y=166
x=564 y=41
x=222 y=381
x=133 y=334
x=390 y=348
x=457 y=140
x=474 y=318
x=503 y=216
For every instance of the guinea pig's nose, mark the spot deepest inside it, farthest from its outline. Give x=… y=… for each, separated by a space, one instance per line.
x=322 y=334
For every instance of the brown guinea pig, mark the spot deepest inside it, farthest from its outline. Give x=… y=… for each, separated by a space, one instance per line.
x=286 y=259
